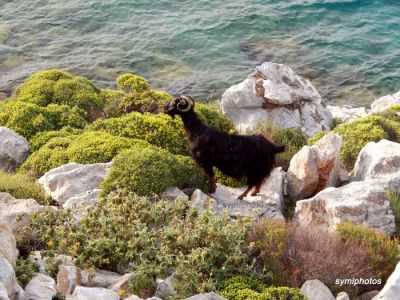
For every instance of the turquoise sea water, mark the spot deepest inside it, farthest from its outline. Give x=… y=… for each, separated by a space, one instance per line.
x=350 y=49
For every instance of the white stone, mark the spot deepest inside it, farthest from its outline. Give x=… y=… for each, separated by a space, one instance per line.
x=120 y=286
x=377 y=160
x=7 y=275
x=385 y=102
x=3 y=292
x=133 y=297
x=165 y=287
x=342 y=296
x=173 y=192
x=99 y=278
x=94 y=293
x=348 y=113
x=275 y=94
x=315 y=167
x=8 y=245
x=209 y=296
x=14 y=150
x=362 y=202
x=391 y=290
x=72 y=183
x=68 y=278
x=316 y=290
x=17 y=211
x=41 y=287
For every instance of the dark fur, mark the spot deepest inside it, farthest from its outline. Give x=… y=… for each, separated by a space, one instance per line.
x=238 y=156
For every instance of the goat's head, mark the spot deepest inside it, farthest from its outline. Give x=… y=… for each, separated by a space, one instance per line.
x=179 y=106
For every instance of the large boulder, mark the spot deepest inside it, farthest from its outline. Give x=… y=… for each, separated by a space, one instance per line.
x=347 y=113
x=86 y=293
x=363 y=202
x=268 y=204
x=41 y=287
x=391 y=290
x=3 y=292
x=14 y=150
x=275 y=94
x=377 y=160
x=17 y=211
x=315 y=290
x=314 y=167
x=7 y=276
x=209 y=296
x=120 y=286
x=75 y=183
x=8 y=245
x=385 y=102
x=99 y=278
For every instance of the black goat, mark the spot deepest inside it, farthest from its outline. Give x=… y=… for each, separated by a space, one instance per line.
x=238 y=156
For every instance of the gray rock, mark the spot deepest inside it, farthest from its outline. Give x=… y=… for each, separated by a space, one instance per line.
x=315 y=167
x=165 y=287
x=173 y=192
x=17 y=211
x=92 y=293
x=369 y=295
x=362 y=202
x=7 y=276
x=209 y=296
x=3 y=292
x=275 y=94
x=41 y=287
x=68 y=278
x=385 y=102
x=14 y=150
x=316 y=290
x=99 y=278
x=8 y=245
x=391 y=290
x=75 y=183
x=348 y=113
x=377 y=160
x=121 y=284
x=133 y=297
x=342 y=296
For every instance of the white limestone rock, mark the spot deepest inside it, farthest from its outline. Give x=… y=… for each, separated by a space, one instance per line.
x=14 y=150
x=348 y=113
x=173 y=192
x=68 y=278
x=377 y=160
x=8 y=245
x=73 y=183
x=209 y=296
x=362 y=202
x=385 y=102
x=275 y=94
x=391 y=290
x=41 y=287
x=92 y=293
x=315 y=290
x=315 y=167
x=99 y=278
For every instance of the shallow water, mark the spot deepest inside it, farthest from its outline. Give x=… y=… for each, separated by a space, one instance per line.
x=350 y=49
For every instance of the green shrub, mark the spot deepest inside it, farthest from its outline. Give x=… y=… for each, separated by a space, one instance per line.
x=152 y=169
x=394 y=199
x=25 y=269
x=383 y=251
x=243 y=288
x=132 y=83
x=27 y=119
x=59 y=87
x=213 y=117
x=227 y=180
x=146 y=101
x=159 y=130
x=292 y=139
x=358 y=133
x=21 y=186
x=41 y=138
x=87 y=148
x=149 y=237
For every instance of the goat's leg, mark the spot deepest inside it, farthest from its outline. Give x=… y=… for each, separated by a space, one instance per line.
x=212 y=181
x=244 y=194
x=257 y=189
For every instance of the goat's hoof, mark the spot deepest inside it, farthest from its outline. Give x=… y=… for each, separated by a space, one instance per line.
x=254 y=194
x=240 y=197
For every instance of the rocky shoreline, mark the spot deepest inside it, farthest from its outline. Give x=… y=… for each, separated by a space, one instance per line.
x=324 y=185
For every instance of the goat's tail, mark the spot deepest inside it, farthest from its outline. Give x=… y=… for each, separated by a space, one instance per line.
x=279 y=149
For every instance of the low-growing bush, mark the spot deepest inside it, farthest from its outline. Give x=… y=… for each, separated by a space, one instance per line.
x=152 y=170
x=383 y=251
x=22 y=186
x=159 y=130
x=86 y=148
x=148 y=237
x=27 y=119
x=25 y=269
x=394 y=199
x=244 y=288
x=358 y=133
x=213 y=117
x=41 y=138
x=292 y=139
x=62 y=88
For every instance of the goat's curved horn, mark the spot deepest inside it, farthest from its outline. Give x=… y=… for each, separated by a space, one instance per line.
x=188 y=101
